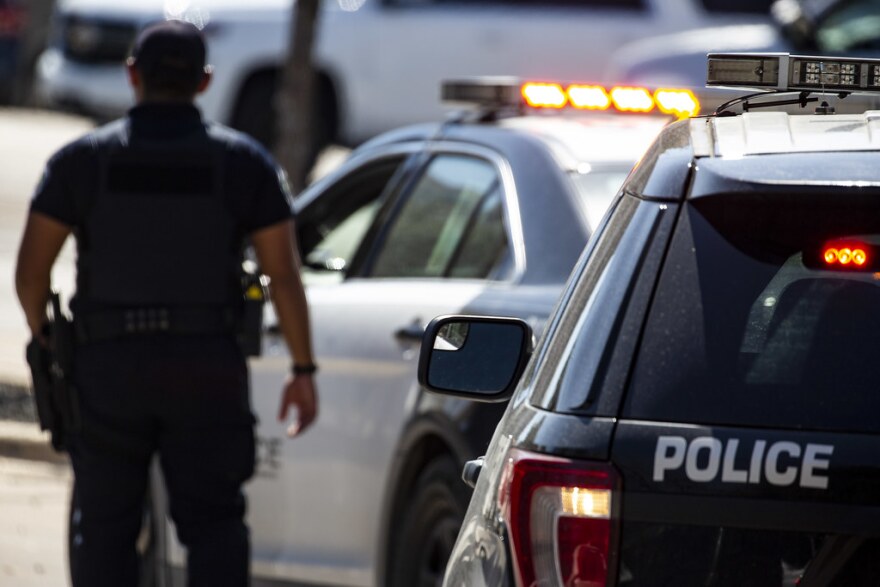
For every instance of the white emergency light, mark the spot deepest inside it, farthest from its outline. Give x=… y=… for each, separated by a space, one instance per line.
x=784 y=72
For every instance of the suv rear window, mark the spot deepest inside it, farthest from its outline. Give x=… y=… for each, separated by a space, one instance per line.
x=748 y=327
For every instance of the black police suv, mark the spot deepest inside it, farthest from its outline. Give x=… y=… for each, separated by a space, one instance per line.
x=704 y=406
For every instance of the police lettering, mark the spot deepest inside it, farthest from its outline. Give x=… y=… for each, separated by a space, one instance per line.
x=707 y=458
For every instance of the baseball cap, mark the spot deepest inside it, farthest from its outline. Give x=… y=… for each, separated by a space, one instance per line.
x=170 y=52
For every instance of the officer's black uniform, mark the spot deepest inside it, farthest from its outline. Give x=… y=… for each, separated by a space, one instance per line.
x=160 y=202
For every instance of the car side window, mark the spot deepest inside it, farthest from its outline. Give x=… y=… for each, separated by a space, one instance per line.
x=593 y=318
x=450 y=225
x=333 y=226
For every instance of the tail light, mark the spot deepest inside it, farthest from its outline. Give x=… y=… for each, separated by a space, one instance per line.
x=559 y=515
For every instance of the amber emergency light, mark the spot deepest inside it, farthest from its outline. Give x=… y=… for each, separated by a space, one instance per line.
x=514 y=93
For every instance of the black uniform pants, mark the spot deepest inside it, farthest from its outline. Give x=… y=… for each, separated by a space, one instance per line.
x=186 y=399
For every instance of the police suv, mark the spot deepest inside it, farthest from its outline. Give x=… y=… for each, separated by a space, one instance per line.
x=485 y=213
x=703 y=407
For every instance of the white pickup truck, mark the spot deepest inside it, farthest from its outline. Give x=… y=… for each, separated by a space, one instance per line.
x=379 y=62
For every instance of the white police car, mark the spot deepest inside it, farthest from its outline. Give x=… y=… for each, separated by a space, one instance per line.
x=379 y=62
x=485 y=213
x=703 y=407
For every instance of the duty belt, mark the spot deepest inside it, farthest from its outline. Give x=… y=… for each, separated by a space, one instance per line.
x=121 y=323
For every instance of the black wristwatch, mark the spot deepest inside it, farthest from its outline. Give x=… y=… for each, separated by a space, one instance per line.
x=306 y=369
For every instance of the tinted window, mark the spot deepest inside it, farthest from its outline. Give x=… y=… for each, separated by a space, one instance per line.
x=451 y=224
x=748 y=328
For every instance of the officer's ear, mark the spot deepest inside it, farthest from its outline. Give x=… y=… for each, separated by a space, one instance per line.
x=206 y=79
x=135 y=80
x=134 y=76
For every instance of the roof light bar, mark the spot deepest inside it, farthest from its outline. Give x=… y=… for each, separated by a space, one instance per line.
x=495 y=93
x=782 y=71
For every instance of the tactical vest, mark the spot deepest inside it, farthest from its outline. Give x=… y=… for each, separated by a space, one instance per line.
x=159 y=242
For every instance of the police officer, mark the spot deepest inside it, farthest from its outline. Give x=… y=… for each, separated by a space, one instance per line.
x=160 y=203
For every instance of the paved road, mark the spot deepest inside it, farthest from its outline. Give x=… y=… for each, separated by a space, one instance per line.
x=34 y=495
x=27 y=140
x=34 y=499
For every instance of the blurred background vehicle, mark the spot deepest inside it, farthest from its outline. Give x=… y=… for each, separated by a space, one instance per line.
x=824 y=27
x=12 y=22
x=486 y=213
x=379 y=62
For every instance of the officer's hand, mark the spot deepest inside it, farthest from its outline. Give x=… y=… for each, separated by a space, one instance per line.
x=299 y=391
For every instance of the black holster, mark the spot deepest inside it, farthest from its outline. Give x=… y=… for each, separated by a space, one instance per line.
x=250 y=330
x=51 y=363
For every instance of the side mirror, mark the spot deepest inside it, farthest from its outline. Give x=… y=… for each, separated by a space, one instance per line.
x=475 y=357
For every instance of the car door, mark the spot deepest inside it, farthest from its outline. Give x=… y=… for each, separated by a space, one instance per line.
x=425 y=244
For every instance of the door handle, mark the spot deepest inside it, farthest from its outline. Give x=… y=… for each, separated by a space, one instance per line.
x=411 y=333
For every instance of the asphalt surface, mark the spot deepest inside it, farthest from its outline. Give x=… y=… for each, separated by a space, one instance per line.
x=34 y=498
x=35 y=481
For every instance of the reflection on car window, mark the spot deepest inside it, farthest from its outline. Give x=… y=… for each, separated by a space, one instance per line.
x=332 y=228
x=450 y=225
x=855 y=27
x=744 y=329
x=340 y=242
x=597 y=190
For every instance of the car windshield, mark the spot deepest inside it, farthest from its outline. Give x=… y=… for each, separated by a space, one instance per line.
x=763 y=315
x=596 y=190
